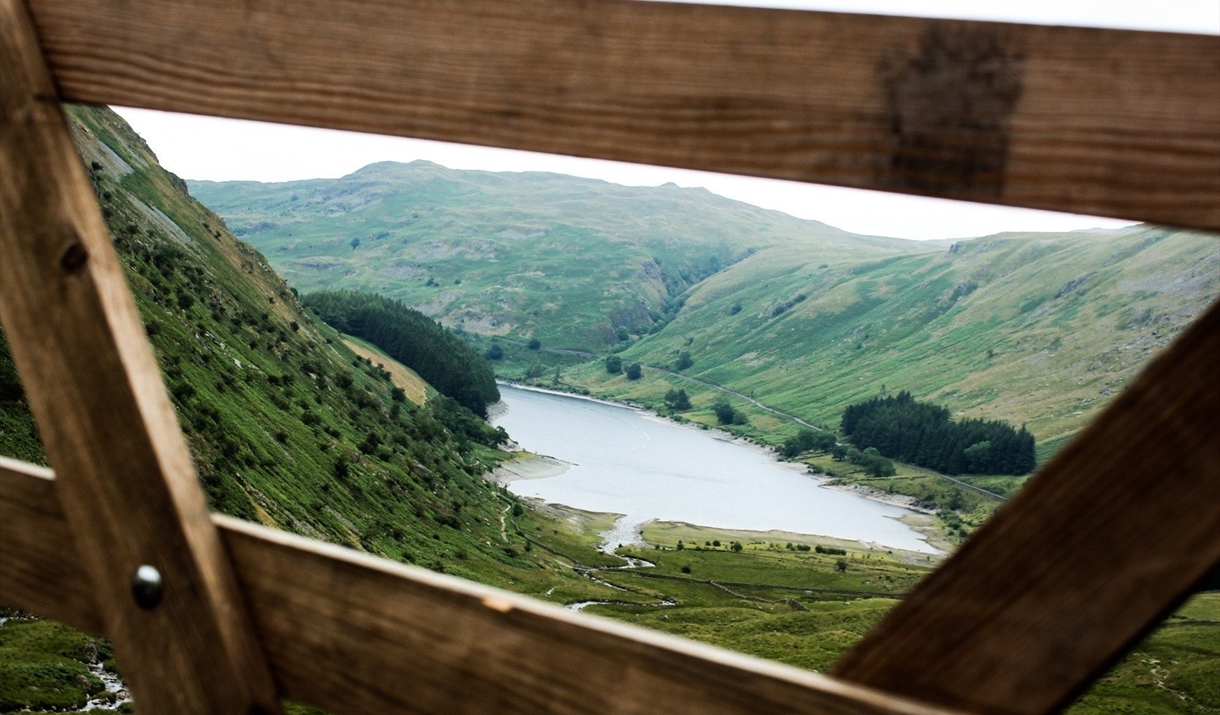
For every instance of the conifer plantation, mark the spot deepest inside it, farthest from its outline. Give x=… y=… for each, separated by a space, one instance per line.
x=904 y=428
x=922 y=433
x=450 y=365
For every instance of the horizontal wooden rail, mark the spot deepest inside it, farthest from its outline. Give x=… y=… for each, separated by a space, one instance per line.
x=1092 y=553
x=39 y=569
x=1106 y=122
x=355 y=634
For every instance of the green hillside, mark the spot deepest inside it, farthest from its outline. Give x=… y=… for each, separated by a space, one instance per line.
x=287 y=426
x=1040 y=329
x=566 y=260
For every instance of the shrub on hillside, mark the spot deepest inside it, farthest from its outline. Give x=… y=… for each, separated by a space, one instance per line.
x=807 y=441
x=726 y=415
x=677 y=400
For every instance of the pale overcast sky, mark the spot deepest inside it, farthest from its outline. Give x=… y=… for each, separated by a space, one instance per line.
x=223 y=149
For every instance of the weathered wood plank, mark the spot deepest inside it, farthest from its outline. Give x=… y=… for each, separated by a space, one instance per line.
x=1107 y=122
x=1093 y=552
x=356 y=634
x=39 y=569
x=413 y=641
x=131 y=496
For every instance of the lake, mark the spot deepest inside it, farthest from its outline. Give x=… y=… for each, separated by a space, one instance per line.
x=626 y=461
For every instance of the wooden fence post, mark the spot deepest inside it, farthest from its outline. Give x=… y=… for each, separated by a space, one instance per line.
x=129 y=489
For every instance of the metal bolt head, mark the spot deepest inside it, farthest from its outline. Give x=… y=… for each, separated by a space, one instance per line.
x=146 y=587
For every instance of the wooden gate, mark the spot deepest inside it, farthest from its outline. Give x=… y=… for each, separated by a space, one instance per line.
x=1098 y=546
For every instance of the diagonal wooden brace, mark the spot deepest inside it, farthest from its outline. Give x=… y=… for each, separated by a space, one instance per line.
x=1094 y=551
x=130 y=495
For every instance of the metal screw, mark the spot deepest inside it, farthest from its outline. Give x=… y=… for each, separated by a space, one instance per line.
x=146 y=587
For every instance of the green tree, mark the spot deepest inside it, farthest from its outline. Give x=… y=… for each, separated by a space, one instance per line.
x=805 y=441
x=614 y=364
x=684 y=360
x=677 y=400
x=725 y=413
x=978 y=456
x=635 y=371
x=495 y=352
x=534 y=344
x=621 y=333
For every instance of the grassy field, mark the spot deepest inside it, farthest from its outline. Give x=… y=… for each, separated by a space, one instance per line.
x=415 y=387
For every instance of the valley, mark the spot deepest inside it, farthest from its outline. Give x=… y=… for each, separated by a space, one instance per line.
x=797 y=315
x=300 y=427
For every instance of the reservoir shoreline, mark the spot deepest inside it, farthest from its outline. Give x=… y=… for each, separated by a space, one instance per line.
x=689 y=479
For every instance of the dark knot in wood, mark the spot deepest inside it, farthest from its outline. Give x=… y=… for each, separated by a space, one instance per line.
x=74 y=258
x=948 y=109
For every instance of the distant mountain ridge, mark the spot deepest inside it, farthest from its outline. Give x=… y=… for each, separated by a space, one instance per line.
x=563 y=259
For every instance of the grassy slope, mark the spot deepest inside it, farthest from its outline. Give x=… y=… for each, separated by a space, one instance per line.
x=416 y=388
x=1035 y=329
x=248 y=385
x=563 y=259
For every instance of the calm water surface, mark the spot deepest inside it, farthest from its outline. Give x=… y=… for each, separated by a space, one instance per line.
x=628 y=462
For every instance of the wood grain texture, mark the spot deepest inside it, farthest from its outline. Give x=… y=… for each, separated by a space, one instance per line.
x=412 y=641
x=94 y=388
x=1090 y=555
x=1107 y=122
x=355 y=634
x=39 y=569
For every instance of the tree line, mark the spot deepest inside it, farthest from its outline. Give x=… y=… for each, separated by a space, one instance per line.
x=903 y=428
x=454 y=368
